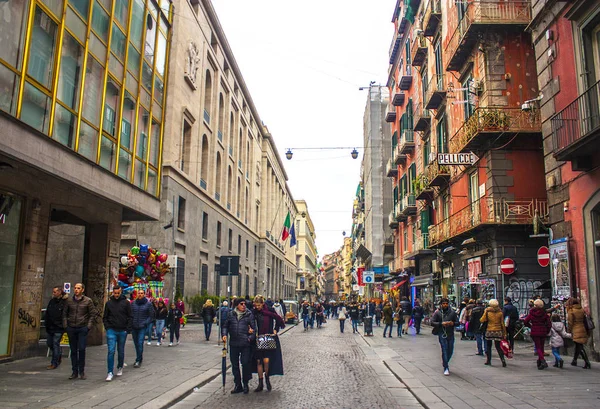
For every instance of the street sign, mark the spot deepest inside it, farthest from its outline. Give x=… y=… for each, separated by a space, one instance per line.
x=229 y=265
x=368 y=277
x=67 y=288
x=457 y=158
x=507 y=266
x=543 y=256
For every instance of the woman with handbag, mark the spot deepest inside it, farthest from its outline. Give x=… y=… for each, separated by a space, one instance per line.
x=342 y=316
x=495 y=331
x=267 y=352
x=576 y=319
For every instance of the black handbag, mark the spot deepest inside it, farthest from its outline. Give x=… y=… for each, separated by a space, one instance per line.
x=266 y=342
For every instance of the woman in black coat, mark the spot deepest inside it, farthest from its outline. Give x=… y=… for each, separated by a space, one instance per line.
x=268 y=361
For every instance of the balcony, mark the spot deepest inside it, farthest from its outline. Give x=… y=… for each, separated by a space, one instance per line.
x=493 y=126
x=432 y=18
x=392 y=222
x=422 y=189
x=577 y=130
x=406 y=77
x=395 y=47
x=398 y=99
x=420 y=248
x=487 y=212
x=398 y=157
x=409 y=205
x=391 y=169
x=482 y=16
x=436 y=92
x=398 y=211
x=436 y=174
x=418 y=51
x=390 y=115
x=422 y=119
x=407 y=141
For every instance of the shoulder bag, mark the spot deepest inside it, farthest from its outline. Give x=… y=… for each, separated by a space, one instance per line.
x=588 y=323
x=266 y=342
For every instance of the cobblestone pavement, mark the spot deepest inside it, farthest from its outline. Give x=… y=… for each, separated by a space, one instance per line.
x=323 y=369
x=165 y=374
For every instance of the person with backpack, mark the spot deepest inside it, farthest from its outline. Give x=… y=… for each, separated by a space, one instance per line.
x=577 y=326
x=443 y=321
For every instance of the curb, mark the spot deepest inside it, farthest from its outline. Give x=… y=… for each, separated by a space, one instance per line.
x=184 y=390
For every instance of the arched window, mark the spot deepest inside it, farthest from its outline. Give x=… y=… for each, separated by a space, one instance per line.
x=231 y=131
x=229 y=183
x=221 y=125
x=248 y=159
x=239 y=201
x=204 y=162
x=218 y=177
x=240 y=148
x=207 y=96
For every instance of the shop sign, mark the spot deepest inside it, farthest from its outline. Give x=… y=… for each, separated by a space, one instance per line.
x=561 y=271
x=474 y=269
x=446 y=272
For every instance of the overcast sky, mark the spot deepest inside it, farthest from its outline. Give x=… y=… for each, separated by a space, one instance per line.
x=303 y=62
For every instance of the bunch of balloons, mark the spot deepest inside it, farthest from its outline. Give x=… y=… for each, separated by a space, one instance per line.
x=141 y=265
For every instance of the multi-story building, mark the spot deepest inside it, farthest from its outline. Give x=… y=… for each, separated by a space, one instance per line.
x=82 y=110
x=306 y=254
x=459 y=74
x=224 y=189
x=567 y=49
x=346 y=255
x=331 y=271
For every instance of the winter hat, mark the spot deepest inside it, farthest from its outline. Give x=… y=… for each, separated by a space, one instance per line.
x=237 y=301
x=225 y=303
x=538 y=303
x=493 y=303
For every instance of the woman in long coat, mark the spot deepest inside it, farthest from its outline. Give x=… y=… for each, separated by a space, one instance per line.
x=267 y=361
x=496 y=330
x=539 y=322
x=575 y=319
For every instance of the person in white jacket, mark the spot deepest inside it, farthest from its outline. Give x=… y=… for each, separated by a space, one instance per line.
x=342 y=316
x=557 y=335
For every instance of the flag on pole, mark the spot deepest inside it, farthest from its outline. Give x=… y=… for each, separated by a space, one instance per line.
x=293 y=235
x=286 y=228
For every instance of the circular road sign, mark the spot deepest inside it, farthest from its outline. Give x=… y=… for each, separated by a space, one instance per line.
x=507 y=266
x=543 y=256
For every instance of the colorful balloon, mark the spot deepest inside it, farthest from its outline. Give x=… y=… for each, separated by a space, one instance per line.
x=124 y=260
x=135 y=250
x=151 y=258
x=143 y=249
x=163 y=257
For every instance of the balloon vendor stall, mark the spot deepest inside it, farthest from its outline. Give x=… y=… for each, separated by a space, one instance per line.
x=143 y=269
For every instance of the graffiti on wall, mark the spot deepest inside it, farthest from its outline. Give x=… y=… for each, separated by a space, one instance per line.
x=25 y=318
x=522 y=290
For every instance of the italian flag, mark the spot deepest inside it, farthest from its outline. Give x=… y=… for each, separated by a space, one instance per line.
x=286 y=227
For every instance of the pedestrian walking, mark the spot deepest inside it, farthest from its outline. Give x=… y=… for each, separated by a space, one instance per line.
x=495 y=330
x=354 y=312
x=378 y=315
x=118 y=320
x=320 y=314
x=143 y=315
x=557 y=334
x=341 y=313
x=240 y=327
x=576 y=320
x=208 y=315
x=388 y=319
x=511 y=317
x=268 y=360
x=161 y=319
x=477 y=328
x=279 y=309
x=305 y=314
x=223 y=312
x=174 y=323
x=313 y=315
x=443 y=322
x=78 y=318
x=406 y=313
x=150 y=330
x=417 y=316
x=540 y=325
x=398 y=319
x=54 y=325
x=180 y=305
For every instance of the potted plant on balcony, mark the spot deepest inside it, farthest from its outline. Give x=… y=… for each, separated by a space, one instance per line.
x=493 y=120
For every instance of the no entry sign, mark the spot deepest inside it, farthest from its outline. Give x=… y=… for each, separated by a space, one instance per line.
x=543 y=256
x=507 y=266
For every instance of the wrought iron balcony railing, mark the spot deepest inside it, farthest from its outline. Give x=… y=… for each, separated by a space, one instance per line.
x=398 y=156
x=390 y=115
x=432 y=18
x=407 y=141
x=418 y=50
x=391 y=169
x=436 y=174
x=578 y=123
x=406 y=77
x=487 y=211
x=422 y=118
x=422 y=189
x=436 y=92
x=480 y=16
x=409 y=205
x=492 y=120
x=392 y=222
x=422 y=242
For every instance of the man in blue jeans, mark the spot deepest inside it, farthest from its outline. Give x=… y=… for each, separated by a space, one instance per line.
x=443 y=321
x=78 y=318
x=142 y=311
x=54 y=325
x=305 y=314
x=117 y=321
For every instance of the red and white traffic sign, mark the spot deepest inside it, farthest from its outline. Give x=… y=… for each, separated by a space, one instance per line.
x=543 y=256
x=507 y=266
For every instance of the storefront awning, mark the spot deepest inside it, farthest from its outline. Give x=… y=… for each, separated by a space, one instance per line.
x=423 y=280
x=399 y=284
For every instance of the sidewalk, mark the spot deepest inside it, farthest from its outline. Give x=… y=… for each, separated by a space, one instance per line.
x=166 y=374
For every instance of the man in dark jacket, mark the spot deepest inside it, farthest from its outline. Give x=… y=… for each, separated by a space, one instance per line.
x=512 y=313
x=406 y=314
x=143 y=314
x=117 y=321
x=54 y=325
x=417 y=316
x=241 y=328
x=443 y=322
x=78 y=318
x=354 y=313
x=475 y=326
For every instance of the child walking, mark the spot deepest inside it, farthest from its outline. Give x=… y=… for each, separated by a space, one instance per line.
x=174 y=322
x=557 y=333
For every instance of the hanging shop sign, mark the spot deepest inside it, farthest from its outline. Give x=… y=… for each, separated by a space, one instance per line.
x=457 y=158
x=474 y=269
